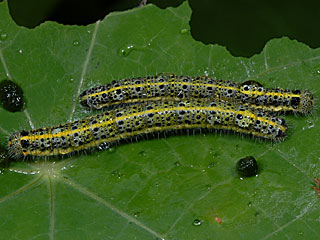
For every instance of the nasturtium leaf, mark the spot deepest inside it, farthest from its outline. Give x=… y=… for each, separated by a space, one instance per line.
x=179 y=187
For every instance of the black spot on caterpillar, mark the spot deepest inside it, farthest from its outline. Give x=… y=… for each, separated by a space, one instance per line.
x=129 y=121
x=170 y=86
x=11 y=96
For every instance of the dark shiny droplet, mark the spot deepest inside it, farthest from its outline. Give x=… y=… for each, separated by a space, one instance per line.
x=11 y=96
x=247 y=167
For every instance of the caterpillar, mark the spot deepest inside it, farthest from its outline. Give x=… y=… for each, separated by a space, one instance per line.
x=107 y=128
x=173 y=87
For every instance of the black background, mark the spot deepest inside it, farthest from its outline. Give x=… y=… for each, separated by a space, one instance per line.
x=243 y=26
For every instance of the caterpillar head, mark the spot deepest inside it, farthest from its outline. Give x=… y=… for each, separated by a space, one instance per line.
x=14 y=146
x=306 y=102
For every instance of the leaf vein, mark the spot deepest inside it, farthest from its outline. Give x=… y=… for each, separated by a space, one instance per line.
x=84 y=69
x=110 y=206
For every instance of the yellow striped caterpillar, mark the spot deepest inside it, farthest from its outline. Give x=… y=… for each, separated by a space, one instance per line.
x=133 y=120
x=172 y=87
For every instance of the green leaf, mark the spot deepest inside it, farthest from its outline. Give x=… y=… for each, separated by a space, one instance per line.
x=155 y=188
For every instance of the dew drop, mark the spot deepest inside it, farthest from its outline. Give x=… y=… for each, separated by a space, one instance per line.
x=213 y=153
x=197 y=222
x=116 y=174
x=75 y=43
x=177 y=164
x=111 y=149
x=3 y=36
x=208 y=186
x=126 y=50
x=318 y=71
x=211 y=165
x=143 y=153
x=256 y=214
x=184 y=31
x=20 y=51
x=310 y=124
x=136 y=214
x=249 y=204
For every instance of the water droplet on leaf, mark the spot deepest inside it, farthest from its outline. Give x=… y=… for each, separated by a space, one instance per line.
x=143 y=153
x=184 y=31
x=111 y=149
x=3 y=36
x=75 y=43
x=197 y=222
x=126 y=50
x=116 y=174
x=136 y=214
x=211 y=165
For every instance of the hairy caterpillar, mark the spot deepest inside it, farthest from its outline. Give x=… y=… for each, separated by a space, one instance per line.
x=132 y=120
x=170 y=86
